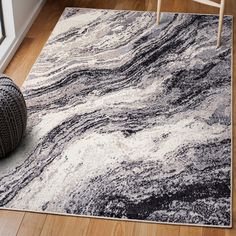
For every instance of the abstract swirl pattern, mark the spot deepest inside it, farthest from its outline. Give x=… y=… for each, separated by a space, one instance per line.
x=127 y=119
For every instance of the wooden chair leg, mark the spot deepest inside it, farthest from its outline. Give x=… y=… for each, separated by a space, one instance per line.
x=222 y=7
x=158 y=11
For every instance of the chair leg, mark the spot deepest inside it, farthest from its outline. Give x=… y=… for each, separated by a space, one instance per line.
x=222 y=7
x=158 y=11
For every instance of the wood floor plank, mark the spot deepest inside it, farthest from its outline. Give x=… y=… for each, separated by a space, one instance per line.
x=174 y=6
x=126 y=228
x=10 y=222
x=141 y=229
x=32 y=224
x=150 y=5
x=104 y=228
x=190 y=230
x=168 y=230
x=130 y=5
x=65 y=226
x=230 y=232
x=201 y=8
x=213 y=232
x=18 y=70
x=123 y=228
x=105 y=4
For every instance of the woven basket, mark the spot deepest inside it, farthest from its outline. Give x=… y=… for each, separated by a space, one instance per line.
x=13 y=116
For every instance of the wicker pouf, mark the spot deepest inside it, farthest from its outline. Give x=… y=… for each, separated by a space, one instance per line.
x=13 y=116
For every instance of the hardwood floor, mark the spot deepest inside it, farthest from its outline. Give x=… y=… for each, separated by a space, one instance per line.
x=31 y=224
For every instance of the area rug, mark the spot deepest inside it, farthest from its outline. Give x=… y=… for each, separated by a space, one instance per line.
x=127 y=120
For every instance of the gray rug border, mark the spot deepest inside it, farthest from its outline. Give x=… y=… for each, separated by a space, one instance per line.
x=232 y=143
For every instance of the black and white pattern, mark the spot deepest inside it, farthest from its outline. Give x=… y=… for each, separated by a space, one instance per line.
x=127 y=120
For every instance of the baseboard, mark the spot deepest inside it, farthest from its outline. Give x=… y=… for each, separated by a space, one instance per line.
x=15 y=43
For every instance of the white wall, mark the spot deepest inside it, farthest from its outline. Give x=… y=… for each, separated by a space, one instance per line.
x=19 y=16
x=22 y=11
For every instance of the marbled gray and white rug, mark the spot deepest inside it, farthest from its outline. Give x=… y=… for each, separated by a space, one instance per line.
x=127 y=119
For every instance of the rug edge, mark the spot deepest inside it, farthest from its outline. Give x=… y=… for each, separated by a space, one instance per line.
x=119 y=219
